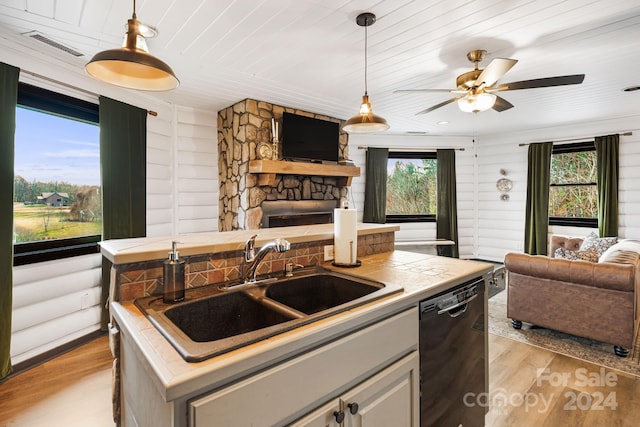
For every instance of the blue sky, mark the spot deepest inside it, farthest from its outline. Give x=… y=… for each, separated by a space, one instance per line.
x=51 y=148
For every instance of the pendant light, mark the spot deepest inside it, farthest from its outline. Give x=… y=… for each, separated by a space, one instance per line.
x=365 y=121
x=132 y=66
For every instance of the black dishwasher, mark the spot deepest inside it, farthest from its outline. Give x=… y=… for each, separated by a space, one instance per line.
x=452 y=357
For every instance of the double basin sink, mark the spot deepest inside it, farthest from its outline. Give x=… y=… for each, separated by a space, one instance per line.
x=211 y=321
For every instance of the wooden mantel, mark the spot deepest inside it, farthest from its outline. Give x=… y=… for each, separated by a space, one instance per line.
x=268 y=169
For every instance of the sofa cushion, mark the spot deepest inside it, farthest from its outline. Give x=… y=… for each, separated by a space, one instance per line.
x=565 y=242
x=591 y=254
x=600 y=243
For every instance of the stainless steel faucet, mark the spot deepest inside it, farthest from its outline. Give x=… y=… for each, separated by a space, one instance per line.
x=252 y=259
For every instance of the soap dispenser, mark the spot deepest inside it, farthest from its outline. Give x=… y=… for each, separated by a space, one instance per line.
x=173 y=271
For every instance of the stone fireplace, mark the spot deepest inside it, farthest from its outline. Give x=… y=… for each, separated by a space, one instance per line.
x=241 y=127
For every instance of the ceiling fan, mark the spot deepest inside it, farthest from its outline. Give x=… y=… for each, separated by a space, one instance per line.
x=477 y=87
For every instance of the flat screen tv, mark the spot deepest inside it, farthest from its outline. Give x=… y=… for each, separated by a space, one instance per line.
x=309 y=139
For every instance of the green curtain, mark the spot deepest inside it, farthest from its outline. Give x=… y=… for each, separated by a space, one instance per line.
x=9 y=90
x=607 y=153
x=375 y=187
x=123 y=161
x=447 y=205
x=536 y=225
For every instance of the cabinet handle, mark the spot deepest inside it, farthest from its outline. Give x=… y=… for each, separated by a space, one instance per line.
x=353 y=408
x=339 y=416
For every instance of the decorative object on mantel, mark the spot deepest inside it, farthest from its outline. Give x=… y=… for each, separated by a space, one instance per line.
x=132 y=66
x=264 y=151
x=274 y=138
x=365 y=121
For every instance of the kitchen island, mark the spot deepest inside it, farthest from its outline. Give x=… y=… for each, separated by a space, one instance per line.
x=311 y=375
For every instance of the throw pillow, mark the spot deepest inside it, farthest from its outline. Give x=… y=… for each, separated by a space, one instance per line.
x=623 y=245
x=591 y=254
x=600 y=243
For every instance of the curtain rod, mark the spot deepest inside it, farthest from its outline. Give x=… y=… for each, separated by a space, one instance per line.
x=585 y=139
x=364 y=147
x=67 y=85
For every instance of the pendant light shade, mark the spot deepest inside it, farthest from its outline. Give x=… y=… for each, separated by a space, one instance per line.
x=365 y=121
x=132 y=66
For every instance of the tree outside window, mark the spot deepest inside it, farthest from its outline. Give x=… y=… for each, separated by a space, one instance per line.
x=411 y=187
x=573 y=193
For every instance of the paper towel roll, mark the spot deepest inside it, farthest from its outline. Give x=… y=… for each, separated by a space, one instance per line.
x=345 y=236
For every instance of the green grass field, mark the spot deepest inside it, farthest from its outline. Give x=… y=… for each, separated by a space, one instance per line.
x=31 y=221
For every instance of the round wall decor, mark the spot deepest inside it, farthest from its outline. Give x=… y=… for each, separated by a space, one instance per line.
x=504 y=184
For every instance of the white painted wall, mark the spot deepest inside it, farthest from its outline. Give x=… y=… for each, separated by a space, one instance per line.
x=56 y=302
x=500 y=225
x=196 y=162
x=182 y=172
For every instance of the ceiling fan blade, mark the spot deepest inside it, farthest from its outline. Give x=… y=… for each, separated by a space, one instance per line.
x=497 y=68
x=574 y=79
x=422 y=90
x=501 y=104
x=435 y=107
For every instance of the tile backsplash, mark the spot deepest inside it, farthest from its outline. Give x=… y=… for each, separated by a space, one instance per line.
x=140 y=279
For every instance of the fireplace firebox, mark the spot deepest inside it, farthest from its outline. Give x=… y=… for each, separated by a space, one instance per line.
x=283 y=213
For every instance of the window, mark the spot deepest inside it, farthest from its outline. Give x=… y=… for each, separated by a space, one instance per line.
x=573 y=193
x=56 y=199
x=411 y=187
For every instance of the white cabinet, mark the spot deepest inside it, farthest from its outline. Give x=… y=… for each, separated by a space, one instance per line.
x=389 y=398
x=376 y=366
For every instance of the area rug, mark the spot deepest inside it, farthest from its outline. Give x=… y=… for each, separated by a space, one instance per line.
x=558 y=342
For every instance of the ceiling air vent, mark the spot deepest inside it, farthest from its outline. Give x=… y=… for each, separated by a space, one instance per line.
x=57 y=45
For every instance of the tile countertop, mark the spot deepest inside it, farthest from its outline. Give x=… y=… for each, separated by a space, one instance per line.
x=125 y=251
x=420 y=275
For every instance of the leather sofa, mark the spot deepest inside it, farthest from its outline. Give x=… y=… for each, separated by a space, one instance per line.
x=592 y=300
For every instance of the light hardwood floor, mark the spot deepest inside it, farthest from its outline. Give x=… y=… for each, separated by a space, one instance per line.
x=542 y=388
x=75 y=390
x=71 y=390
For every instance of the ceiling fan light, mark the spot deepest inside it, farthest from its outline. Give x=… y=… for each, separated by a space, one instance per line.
x=474 y=103
x=132 y=66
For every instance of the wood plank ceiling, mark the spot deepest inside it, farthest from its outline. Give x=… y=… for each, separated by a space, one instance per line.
x=309 y=54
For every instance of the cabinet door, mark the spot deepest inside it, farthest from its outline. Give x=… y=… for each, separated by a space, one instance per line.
x=324 y=416
x=389 y=398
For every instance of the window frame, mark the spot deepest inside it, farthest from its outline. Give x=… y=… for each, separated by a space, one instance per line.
x=396 y=219
x=39 y=99
x=566 y=221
